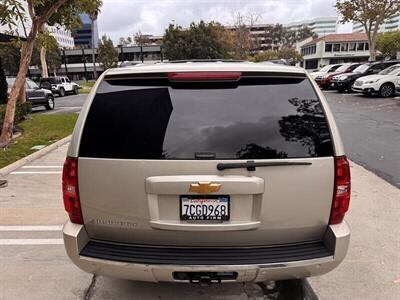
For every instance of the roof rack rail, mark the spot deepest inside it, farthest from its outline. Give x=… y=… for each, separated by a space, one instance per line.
x=204 y=60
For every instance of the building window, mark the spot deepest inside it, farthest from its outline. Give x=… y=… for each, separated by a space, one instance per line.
x=360 y=46
x=336 y=47
x=343 y=47
x=352 y=46
x=328 y=48
x=366 y=48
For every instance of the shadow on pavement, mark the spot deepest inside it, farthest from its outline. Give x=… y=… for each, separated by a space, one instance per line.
x=110 y=288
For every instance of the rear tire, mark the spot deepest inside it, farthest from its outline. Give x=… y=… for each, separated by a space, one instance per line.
x=50 y=103
x=386 y=90
x=75 y=90
x=62 y=92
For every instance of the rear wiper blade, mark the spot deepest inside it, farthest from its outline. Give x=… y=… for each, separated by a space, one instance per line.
x=251 y=165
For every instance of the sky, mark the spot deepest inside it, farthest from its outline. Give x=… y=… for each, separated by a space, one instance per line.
x=123 y=18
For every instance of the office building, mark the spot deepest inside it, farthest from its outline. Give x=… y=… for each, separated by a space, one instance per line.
x=83 y=35
x=320 y=26
x=390 y=24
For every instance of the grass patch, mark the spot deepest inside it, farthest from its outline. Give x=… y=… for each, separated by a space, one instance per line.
x=41 y=130
x=86 y=86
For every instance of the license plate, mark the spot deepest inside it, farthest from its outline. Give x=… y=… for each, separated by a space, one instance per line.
x=204 y=208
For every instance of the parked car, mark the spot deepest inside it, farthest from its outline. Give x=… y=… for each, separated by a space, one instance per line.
x=344 y=82
x=384 y=83
x=206 y=172
x=34 y=94
x=325 y=81
x=325 y=70
x=59 y=85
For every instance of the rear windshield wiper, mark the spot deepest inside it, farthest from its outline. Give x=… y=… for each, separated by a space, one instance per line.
x=251 y=165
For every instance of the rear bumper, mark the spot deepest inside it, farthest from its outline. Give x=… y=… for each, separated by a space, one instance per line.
x=77 y=244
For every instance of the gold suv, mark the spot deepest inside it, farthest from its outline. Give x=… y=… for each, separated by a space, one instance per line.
x=206 y=172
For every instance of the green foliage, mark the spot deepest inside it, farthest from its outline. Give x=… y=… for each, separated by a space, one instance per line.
x=201 y=41
x=3 y=85
x=108 y=55
x=389 y=43
x=53 y=53
x=10 y=54
x=370 y=13
x=289 y=54
x=287 y=38
x=12 y=13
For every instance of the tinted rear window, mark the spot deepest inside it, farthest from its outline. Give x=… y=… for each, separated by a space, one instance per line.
x=50 y=80
x=263 y=118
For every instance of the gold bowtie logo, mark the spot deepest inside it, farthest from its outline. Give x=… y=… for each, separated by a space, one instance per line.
x=204 y=187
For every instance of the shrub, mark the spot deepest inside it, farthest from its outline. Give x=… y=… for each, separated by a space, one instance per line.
x=3 y=86
x=21 y=111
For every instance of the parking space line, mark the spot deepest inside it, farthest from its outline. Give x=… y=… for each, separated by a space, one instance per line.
x=16 y=242
x=35 y=173
x=31 y=228
x=42 y=167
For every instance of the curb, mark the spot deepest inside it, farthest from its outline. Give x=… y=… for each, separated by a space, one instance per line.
x=35 y=155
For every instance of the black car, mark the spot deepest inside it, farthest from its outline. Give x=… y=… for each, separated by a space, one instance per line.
x=345 y=81
x=34 y=94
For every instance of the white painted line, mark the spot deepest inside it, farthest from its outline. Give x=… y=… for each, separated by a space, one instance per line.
x=42 y=167
x=12 y=242
x=35 y=173
x=31 y=228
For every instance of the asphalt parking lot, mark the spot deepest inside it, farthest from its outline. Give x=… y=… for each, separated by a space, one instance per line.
x=67 y=104
x=34 y=265
x=370 y=129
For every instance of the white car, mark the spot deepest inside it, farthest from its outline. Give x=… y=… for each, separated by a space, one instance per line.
x=59 y=85
x=325 y=70
x=384 y=83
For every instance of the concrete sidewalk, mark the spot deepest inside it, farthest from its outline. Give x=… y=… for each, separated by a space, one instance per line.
x=42 y=271
x=371 y=269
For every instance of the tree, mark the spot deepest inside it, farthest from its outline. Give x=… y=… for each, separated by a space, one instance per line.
x=125 y=41
x=63 y=12
x=11 y=56
x=200 y=41
x=46 y=53
x=389 y=43
x=3 y=85
x=93 y=14
x=243 y=42
x=141 y=39
x=288 y=54
x=108 y=55
x=371 y=14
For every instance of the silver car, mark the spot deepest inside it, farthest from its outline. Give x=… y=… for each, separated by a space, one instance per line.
x=206 y=172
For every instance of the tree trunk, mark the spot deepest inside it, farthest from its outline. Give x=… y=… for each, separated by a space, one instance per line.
x=26 y=56
x=43 y=62
x=93 y=52
x=22 y=95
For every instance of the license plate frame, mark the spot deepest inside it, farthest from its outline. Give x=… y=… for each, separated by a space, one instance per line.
x=225 y=200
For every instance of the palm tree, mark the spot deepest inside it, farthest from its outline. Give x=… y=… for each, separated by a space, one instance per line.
x=93 y=17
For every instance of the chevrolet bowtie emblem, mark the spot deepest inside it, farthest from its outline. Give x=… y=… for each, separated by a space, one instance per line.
x=204 y=187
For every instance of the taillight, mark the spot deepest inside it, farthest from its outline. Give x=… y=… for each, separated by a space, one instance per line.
x=342 y=189
x=70 y=190
x=204 y=76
